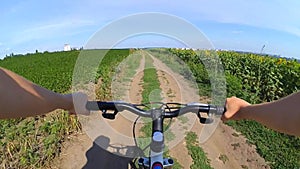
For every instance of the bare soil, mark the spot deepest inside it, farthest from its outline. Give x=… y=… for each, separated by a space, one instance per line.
x=226 y=148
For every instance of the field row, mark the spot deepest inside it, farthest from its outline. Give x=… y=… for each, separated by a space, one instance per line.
x=256 y=79
x=34 y=142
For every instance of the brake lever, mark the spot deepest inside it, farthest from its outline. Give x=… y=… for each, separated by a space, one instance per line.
x=206 y=120
x=203 y=120
x=110 y=116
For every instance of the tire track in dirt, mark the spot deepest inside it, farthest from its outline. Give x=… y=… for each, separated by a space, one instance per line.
x=225 y=148
x=79 y=151
x=133 y=89
x=172 y=92
x=169 y=88
x=225 y=142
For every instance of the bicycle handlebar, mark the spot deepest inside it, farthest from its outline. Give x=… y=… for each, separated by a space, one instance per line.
x=121 y=106
x=157 y=114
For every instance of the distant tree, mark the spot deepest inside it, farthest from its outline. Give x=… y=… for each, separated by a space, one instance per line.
x=7 y=56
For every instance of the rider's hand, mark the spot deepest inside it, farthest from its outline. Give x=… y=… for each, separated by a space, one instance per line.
x=75 y=103
x=234 y=106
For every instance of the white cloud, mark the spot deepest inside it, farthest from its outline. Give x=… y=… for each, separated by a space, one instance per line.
x=237 y=31
x=52 y=29
x=278 y=15
x=291 y=29
x=61 y=21
x=59 y=26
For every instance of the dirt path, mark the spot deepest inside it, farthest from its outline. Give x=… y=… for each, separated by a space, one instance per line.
x=80 y=151
x=171 y=94
x=133 y=90
x=172 y=88
x=226 y=148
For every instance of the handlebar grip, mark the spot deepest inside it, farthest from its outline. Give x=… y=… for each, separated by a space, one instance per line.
x=222 y=110
x=96 y=105
x=218 y=110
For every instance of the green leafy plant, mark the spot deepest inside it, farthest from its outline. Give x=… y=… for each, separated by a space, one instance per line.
x=33 y=142
x=198 y=155
x=256 y=79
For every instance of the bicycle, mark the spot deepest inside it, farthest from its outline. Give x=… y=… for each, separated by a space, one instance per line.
x=157 y=114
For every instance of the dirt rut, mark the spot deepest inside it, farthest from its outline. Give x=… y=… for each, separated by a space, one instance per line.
x=225 y=148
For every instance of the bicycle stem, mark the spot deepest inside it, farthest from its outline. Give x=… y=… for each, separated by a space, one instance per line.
x=157 y=142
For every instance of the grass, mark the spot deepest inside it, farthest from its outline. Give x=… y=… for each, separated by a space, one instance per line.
x=198 y=155
x=125 y=73
x=183 y=119
x=244 y=167
x=152 y=93
x=255 y=79
x=151 y=86
x=177 y=65
x=223 y=158
x=280 y=150
x=35 y=141
x=235 y=145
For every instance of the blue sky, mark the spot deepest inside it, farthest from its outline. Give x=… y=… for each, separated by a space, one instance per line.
x=242 y=25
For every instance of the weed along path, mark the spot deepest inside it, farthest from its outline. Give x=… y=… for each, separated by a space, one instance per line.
x=225 y=149
x=80 y=151
x=171 y=88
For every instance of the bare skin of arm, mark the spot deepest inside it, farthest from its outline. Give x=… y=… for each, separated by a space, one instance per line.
x=22 y=98
x=282 y=115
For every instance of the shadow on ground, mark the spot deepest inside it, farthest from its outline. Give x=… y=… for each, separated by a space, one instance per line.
x=99 y=158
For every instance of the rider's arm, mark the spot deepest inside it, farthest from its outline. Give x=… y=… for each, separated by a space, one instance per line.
x=22 y=98
x=282 y=115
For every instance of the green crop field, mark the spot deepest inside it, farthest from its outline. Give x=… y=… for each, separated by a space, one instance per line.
x=33 y=142
x=256 y=79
